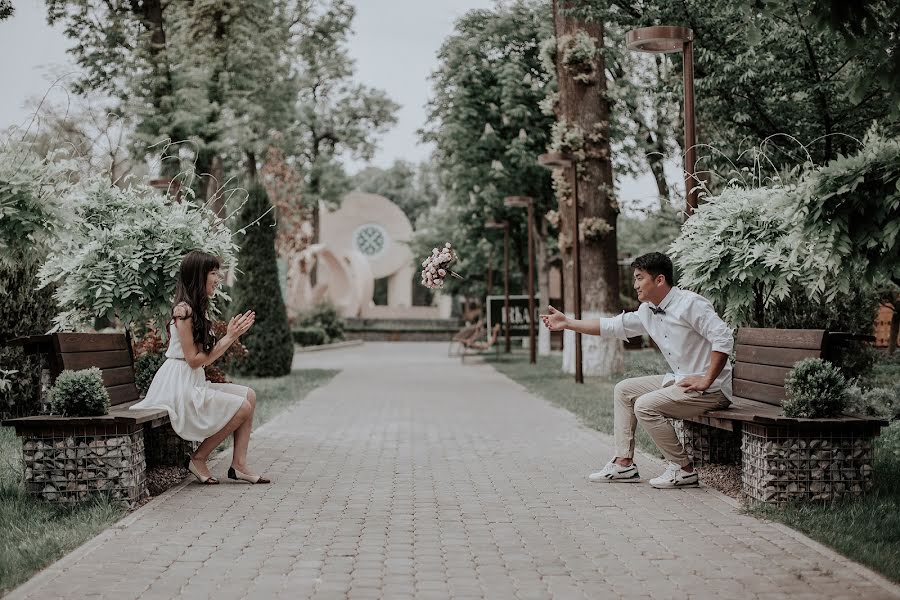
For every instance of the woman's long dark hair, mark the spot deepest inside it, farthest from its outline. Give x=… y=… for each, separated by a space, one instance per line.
x=191 y=289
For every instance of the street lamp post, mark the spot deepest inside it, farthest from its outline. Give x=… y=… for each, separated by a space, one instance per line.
x=662 y=39
x=527 y=202
x=504 y=225
x=564 y=160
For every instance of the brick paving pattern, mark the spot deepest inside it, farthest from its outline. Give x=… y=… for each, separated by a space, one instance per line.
x=412 y=476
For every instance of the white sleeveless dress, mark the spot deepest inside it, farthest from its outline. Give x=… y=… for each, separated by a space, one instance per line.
x=196 y=407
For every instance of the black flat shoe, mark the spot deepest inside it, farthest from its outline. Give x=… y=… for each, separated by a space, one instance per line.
x=237 y=475
x=201 y=478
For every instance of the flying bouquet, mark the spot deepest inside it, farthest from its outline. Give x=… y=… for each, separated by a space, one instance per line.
x=437 y=266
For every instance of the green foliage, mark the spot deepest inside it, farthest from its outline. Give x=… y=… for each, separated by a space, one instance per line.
x=23 y=311
x=804 y=255
x=817 y=88
x=120 y=253
x=309 y=336
x=737 y=251
x=324 y=316
x=411 y=187
x=815 y=389
x=487 y=126
x=850 y=210
x=654 y=232
x=269 y=345
x=79 y=394
x=881 y=402
x=334 y=115
x=31 y=207
x=145 y=367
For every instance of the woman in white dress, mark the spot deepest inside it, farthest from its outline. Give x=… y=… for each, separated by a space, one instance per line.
x=199 y=410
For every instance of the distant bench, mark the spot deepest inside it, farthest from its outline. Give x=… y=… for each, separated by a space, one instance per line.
x=783 y=458
x=67 y=459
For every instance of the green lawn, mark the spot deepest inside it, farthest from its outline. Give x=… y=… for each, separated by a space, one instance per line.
x=866 y=530
x=36 y=533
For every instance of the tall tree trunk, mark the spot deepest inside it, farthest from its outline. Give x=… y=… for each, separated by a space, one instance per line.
x=251 y=164
x=151 y=14
x=583 y=105
x=214 y=185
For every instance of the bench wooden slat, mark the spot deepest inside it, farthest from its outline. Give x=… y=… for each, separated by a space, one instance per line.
x=752 y=411
x=117 y=376
x=762 y=392
x=117 y=414
x=90 y=342
x=806 y=339
x=778 y=357
x=760 y=373
x=121 y=394
x=103 y=360
x=746 y=409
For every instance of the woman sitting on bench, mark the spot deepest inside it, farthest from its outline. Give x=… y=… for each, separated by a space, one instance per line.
x=201 y=411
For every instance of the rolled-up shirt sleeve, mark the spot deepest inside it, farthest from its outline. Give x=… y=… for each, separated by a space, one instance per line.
x=702 y=316
x=623 y=326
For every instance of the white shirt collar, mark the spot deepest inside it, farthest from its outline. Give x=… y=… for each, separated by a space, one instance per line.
x=666 y=300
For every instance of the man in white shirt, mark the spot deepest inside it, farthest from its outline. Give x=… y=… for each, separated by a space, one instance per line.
x=696 y=344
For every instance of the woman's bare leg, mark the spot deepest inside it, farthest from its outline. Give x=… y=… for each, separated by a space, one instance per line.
x=242 y=438
x=212 y=442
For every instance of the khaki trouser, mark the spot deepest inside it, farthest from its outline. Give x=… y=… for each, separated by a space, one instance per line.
x=645 y=399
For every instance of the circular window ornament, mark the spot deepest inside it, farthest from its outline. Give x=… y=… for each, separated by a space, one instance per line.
x=370 y=239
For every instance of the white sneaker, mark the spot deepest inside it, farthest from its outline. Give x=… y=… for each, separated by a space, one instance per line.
x=675 y=477
x=618 y=473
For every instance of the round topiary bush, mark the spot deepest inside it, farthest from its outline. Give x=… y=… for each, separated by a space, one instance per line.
x=79 y=394
x=815 y=389
x=145 y=367
x=270 y=348
x=325 y=317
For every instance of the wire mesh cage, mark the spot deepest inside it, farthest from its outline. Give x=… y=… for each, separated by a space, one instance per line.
x=68 y=466
x=163 y=447
x=708 y=445
x=783 y=464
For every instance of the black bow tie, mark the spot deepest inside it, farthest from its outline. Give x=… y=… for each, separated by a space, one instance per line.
x=657 y=311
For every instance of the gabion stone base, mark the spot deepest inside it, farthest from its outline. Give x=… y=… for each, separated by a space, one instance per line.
x=71 y=464
x=708 y=445
x=821 y=462
x=165 y=449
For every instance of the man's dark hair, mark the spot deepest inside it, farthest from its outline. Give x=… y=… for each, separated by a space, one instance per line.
x=655 y=263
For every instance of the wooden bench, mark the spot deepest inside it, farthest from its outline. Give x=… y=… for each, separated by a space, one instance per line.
x=783 y=458
x=464 y=336
x=474 y=346
x=66 y=459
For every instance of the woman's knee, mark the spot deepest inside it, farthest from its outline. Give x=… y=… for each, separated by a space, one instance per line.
x=251 y=398
x=246 y=410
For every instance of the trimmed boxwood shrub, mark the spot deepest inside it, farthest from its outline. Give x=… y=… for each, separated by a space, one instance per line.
x=325 y=317
x=145 y=367
x=269 y=344
x=79 y=394
x=815 y=389
x=309 y=336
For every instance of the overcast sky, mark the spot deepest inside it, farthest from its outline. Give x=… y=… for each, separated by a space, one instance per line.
x=395 y=47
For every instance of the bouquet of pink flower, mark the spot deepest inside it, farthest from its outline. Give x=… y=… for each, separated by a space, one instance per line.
x=437 y=266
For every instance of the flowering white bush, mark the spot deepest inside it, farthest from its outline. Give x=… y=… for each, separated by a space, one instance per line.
x=120 y=254
x=437 y=266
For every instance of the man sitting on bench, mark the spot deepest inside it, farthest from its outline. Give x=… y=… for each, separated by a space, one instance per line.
x=696 y=344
